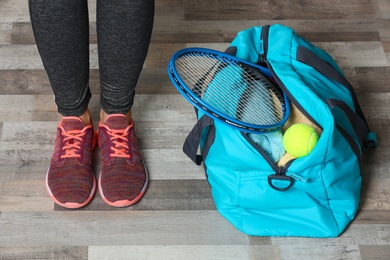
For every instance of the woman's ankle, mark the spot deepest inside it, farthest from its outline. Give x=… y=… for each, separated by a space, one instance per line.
x=85 y=117
x=104 y=115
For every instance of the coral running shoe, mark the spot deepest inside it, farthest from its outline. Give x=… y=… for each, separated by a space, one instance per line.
x=124 y=178
x=70 y=181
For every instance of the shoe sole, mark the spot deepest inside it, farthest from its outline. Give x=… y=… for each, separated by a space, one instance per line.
x=124 y=203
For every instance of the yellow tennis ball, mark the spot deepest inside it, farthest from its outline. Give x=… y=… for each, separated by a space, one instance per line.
x=299 y=140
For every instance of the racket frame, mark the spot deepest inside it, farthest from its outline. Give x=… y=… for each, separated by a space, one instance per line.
x=191 y=97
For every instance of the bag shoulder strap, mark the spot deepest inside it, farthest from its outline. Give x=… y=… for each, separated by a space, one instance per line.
x=308 y=57
x=366 y=139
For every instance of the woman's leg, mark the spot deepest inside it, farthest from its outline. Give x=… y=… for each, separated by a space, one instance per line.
x=123 y=30
x=61 y=31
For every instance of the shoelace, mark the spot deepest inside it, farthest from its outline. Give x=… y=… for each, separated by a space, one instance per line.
x=120 y=142
x=72 y=142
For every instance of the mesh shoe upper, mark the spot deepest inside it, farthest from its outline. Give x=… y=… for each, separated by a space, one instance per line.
x=124 y=179
x=70 y=180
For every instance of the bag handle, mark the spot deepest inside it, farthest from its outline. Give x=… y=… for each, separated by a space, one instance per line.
x=192 y=142
x=366 y=138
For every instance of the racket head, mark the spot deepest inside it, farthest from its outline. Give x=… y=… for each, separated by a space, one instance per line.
x=187 y=90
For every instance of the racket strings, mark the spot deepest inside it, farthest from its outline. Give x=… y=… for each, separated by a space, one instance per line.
x=221 y=96
x=213 y=77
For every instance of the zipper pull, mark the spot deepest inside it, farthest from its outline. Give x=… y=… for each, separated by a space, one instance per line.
x=280 y=177
x=261 y=59
x=262 y=47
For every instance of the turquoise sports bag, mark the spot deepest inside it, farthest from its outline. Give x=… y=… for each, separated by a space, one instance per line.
x=312 y=196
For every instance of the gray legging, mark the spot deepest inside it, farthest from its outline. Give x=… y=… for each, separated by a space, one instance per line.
x=61 y=30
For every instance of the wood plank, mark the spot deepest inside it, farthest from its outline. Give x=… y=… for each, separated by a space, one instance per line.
x=33 y=135
x=82 y=228
x=374 y=252
x=165 y=31
x=319 y=30
x=355 y=234
x=328 y=251
x=22 y=33
x=19 y=57
x=386 y=47
x=154 y=81
x=29 y=203
x=151 y=135
x=296 y=9
x=14 y=10
x=178 y=166
x=184 y=252
x=162 y=164
x=17 y=10
x=163 y=195
x=43 y=252
x=5 y=33
x=1 y=131
x=26 y=194
x=341 y=36
x=27 y=57
x=36 y=82
x=372 y=217
x=10 y=108
x=175 y=106
x=22 y=162
x=375 y=194
x=346 y=54
x=383 y=26
x=350 y=54
x=373 y=79
x=161 y=148
x=383 y=8
x=160 y=53
x=24 y=82
x=333 y=9
x=376 y=108
x=355 y=54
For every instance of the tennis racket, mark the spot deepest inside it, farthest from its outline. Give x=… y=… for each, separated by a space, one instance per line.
x=234 y=91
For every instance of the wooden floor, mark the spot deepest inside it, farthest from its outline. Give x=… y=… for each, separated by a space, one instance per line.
x=177 y=218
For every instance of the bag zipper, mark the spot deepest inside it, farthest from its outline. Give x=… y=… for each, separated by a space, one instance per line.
x=263 y=58
x=280 y=171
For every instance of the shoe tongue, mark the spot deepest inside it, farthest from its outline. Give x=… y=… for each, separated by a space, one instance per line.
x=117 y=122
x=70 y=124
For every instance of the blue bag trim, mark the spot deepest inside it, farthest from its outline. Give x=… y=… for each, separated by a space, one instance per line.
x=371 y=141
